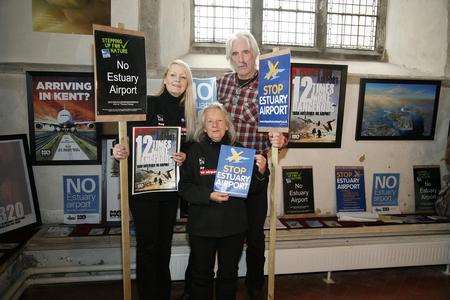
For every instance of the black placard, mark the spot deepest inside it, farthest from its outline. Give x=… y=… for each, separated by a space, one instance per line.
x=298 y=190
x=427 y=183
x=121 y=83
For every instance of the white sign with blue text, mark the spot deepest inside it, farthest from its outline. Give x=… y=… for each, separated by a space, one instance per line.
x=81 y=199
x=206 y=92
x=234 y=170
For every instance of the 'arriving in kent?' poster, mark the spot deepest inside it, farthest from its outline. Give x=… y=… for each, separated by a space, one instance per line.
x=62 y=119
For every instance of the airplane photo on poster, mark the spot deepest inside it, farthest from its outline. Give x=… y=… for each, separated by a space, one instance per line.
x=62 y=114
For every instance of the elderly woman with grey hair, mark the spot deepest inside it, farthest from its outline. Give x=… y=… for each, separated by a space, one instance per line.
x=217 y=221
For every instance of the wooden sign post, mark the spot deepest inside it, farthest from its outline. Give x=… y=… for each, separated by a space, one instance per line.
x=120 y=96
x=273 y=96
x=124 y=215
x=273 y=226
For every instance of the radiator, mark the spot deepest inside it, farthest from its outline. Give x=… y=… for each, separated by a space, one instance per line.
x=346 y=254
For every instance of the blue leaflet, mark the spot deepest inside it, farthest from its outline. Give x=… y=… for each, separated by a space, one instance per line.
x=234 y=170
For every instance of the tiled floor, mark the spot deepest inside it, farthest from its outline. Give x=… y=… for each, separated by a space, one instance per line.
x=429 y=283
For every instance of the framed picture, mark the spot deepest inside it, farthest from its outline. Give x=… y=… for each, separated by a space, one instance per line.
x=19 y=208
x=395 y=109
x=62 y=118
x=317 y=105
x=70 y=17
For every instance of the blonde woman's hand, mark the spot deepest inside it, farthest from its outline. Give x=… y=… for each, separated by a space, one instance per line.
x=120 y=152
x=179 y=157
x=261 y=163
x=219 y=197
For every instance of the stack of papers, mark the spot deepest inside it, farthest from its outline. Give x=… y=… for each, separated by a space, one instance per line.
x=357 y=216
x=267 y=224
x=392 y=219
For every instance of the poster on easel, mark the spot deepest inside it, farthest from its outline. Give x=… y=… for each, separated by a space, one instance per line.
x=350 y=189
x=427 y=184
x=298 y=190
x=385 y=193
x=81 y=194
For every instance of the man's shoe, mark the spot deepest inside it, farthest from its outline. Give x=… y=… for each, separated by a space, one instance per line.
x=185 y=296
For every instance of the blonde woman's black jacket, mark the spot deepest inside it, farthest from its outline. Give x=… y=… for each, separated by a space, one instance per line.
x=206 y=217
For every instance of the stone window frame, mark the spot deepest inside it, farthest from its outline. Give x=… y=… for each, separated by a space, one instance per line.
x=319 y=51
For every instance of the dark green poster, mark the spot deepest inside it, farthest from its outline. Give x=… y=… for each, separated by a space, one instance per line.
x=298 y=190
x=427 y=184
x=121 y=82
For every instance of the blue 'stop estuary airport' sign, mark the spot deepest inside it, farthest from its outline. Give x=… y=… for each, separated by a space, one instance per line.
x=273 y=91
x=234 y=170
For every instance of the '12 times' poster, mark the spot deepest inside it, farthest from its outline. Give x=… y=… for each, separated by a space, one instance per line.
x=62 y=120
x=154 y=169
x=316 y=100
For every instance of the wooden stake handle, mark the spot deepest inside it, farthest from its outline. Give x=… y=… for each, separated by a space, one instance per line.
x=273 y=226
x=125 y=217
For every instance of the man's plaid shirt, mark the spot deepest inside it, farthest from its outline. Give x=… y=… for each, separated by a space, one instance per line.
x=242 y=104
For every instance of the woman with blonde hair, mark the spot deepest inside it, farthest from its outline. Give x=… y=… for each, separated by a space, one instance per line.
x=154 y=214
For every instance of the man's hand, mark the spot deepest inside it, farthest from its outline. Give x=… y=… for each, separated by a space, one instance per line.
x=277 y=139
x=120 y=152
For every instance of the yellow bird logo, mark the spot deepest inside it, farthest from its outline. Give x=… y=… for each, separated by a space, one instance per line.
x=236 y=156
x=273 y=70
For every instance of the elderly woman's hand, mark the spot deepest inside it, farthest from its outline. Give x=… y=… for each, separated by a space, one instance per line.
x=261 y=163
x=219 y=197
x=179 y=157
x=120 y=152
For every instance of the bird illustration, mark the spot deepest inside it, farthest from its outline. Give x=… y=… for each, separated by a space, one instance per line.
x=328 y=126
x=235 y=156
x=273 y=70
x=167 y=175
